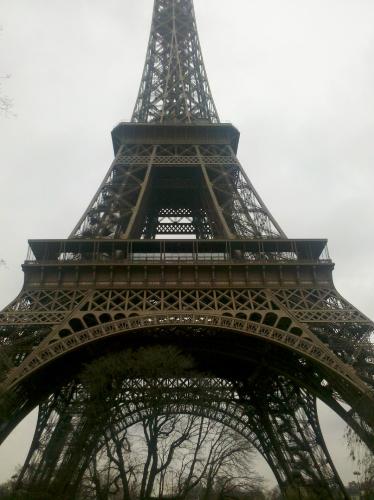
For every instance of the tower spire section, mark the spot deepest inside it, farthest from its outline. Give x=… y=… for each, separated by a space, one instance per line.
x=174 y=85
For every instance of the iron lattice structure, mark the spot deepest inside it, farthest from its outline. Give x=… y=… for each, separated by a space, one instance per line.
x=174 y=86
x=285 y=430
x=258 y=310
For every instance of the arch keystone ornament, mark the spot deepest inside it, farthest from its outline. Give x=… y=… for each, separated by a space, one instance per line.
x=177 y=248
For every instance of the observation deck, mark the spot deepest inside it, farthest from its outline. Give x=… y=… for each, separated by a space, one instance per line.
x=81 y=263
x=175 y=133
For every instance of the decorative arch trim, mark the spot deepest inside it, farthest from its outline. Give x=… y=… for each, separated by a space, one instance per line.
x=302 y=344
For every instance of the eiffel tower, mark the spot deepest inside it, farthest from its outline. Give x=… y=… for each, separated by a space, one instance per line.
x=177 y=246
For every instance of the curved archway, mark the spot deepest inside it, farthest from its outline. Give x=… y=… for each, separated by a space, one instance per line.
x=227 y=403
x=276 y=331
x=336 y=375
x=301 y=341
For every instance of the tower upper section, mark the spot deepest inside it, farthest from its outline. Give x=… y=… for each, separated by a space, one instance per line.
x=174 y=85
x=176 y=174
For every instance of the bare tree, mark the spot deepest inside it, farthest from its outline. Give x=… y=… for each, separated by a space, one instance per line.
x=126 y=433
x=168 y=452
x=176 y=456
x=363 y=459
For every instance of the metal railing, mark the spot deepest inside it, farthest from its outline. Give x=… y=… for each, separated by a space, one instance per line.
x=177 y=251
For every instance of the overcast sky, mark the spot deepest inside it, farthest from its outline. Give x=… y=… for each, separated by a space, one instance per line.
x=295 y=76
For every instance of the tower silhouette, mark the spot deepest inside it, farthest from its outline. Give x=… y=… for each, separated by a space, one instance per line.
x=177 y=246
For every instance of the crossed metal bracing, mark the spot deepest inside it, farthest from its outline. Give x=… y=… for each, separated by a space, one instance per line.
x=287 y=426
x=282 y=424
x=335 y=321
x=195 y=190
x=308 y=305
x=42 y=325
x=174 y=86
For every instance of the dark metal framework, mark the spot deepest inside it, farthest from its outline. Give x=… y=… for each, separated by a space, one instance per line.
x=178 y=187
x=174 y=85
x=283 y=428
x=238 y=285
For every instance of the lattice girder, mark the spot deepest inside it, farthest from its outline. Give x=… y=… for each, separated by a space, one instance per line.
x=174 y=85
x=148 y=307
x=284 y=419
x=256 y=313
x=333 y=319
x=308 y=305
x=207 y=182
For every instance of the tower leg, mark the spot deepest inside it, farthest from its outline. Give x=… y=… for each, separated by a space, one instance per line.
x=286 y=422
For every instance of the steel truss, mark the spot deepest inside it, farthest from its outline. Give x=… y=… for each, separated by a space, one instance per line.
x=295 y=314
x=34 y=336
x=282 y=424
x=174 y=85
x=177 y=189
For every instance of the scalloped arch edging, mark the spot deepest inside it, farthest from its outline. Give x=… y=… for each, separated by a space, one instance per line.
x=300 y=344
